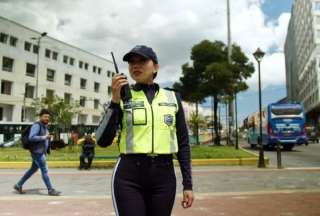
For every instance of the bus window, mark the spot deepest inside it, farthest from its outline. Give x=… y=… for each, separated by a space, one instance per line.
x=285 y=111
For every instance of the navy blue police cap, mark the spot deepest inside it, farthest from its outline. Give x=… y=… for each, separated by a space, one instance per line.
x=142 y=50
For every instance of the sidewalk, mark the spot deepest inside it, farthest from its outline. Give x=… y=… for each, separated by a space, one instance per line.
x=219 y=191
x=269 y=204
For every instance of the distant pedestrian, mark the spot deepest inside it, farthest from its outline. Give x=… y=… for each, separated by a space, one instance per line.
x=39 y=137
x=88 y=143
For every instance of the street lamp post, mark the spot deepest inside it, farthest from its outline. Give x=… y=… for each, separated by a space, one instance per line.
x=258 y=55
x=38 y=55
x=24 y=102
x=236 y=119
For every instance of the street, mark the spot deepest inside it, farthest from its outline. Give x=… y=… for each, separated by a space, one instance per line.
x=300 y=156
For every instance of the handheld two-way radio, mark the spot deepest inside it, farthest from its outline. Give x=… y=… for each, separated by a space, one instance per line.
x=125 y=90
x=126 y=96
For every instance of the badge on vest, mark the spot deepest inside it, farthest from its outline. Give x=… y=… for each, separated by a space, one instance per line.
x=168 y=119
x=127 y=105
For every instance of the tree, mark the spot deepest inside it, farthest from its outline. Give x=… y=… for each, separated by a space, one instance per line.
x=61 y=112
x=196 y=121
x=212 y=75
x=189 y=88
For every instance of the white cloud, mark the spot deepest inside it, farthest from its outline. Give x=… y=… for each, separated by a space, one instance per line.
x=170 y=27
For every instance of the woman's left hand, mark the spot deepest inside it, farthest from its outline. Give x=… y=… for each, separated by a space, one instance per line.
x=187 y=199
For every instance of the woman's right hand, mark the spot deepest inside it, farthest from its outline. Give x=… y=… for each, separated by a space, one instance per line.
x=118 y=81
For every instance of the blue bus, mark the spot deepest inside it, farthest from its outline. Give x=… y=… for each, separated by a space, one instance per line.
x=281 y=122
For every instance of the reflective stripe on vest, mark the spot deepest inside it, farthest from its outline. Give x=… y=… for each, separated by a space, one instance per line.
x=149 y=128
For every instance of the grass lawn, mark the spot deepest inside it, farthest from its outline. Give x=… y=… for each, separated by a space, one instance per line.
x=111 y=152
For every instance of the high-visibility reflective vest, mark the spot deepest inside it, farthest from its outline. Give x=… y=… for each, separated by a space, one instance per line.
x=149 y=128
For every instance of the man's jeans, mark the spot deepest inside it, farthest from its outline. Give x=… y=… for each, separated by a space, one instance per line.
x=38 y=161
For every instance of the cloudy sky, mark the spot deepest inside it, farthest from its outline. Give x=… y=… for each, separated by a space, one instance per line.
x=171 y=27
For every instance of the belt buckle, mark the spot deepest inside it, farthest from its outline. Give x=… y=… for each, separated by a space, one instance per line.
x=153 y=155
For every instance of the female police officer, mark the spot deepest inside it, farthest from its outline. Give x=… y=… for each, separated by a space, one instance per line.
x=153 y=128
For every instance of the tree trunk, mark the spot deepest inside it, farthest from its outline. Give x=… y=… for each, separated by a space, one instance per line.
x=197 y=125
x=215 y=121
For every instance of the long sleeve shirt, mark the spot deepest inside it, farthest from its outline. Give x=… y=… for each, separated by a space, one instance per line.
x=115 y=115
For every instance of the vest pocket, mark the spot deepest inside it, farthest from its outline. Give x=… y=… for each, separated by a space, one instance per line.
x=139 y=116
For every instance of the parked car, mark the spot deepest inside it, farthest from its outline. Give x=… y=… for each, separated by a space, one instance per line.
x=312 y=134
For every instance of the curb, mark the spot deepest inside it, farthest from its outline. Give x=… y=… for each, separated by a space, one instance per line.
x=110 y=163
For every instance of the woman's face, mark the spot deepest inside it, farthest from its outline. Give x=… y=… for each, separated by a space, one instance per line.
x=142 y=69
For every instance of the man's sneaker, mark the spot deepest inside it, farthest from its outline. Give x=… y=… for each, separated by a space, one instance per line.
x=18 y=189
x=54 y=192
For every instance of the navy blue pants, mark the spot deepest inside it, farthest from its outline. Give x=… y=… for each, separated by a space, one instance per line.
x=89 y=155
x=143 y=186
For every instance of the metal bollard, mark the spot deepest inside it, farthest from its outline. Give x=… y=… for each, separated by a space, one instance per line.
x=279 y=163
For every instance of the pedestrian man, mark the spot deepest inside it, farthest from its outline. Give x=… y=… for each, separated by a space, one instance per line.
x=153 y=129
x=39 y=137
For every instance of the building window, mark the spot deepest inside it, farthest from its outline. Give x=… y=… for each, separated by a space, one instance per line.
x=3 y=37
x=54 y=55
x=71 y=61
x=65 y=59
x=95 y=119
x=83 y=83
x=82 y=101
x=7 y=64
x=50 y=75
x=67 y=98
x=108 y=73
x=96 y=103
x=35 y=49
x=80 y=64
x=113 y=74
x=50 y=94
x=27 y=46
x=109 y=90
x=94 y=69
x=96 y=87
x=99 y=70
x=6 y=87
x=31 y=70
x=86 y=66
x=13 y=41
x=48 y=53
x=1 y=113
x=67 y=79
x=29 y=91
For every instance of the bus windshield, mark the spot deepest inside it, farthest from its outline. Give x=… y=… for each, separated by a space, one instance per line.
x=279 y=111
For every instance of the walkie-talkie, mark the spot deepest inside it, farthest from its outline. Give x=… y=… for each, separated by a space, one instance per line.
x=125 y=90
x=101 y=132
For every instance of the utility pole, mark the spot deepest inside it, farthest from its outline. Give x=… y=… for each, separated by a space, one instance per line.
x=231 y=108
x=38 y=39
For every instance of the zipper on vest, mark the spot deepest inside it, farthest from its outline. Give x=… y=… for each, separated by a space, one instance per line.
x=152 y=128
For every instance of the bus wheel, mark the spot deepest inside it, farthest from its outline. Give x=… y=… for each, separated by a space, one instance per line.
x=253 y=146
x=287 y=147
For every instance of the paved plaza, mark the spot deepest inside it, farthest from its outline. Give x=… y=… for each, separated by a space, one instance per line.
x=219 y=191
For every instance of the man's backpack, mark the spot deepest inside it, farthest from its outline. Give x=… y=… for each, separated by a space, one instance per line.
x=26 y=143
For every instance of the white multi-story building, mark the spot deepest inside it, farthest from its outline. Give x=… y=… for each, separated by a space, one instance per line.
x=64 y=70
x=302 y=53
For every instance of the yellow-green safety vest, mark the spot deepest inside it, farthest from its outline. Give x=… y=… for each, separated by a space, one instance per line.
x=149 y=128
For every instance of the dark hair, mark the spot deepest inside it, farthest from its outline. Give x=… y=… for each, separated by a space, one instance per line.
x=44 y=111
x=155 y=74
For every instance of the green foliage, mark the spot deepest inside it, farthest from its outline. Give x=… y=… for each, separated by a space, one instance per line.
x=61 y=112
x=195 y=122
x=212 y=75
